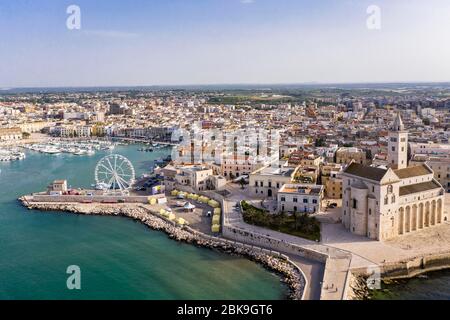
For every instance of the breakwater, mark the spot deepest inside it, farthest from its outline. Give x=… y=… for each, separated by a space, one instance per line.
x=271 y=260
x=395 y=270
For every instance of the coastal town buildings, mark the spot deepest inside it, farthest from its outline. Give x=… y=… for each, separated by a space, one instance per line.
x=345 y=155
x=198 y=177
x=9 y=134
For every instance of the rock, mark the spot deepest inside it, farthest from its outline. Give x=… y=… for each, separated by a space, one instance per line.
x=290 y=275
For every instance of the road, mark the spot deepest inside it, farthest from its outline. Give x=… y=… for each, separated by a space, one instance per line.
x=313 y=270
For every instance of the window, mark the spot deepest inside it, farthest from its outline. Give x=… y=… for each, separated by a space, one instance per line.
x=256 y=183
x=386 y=200
x=370 y=212
x=305 y=200
x=270 y=184
x=354 y=204
x=283 y=199
x=393 y=198
x=393 y=148
x=393 y=139
x=295 y=199
x=390 y=188
x=314 y=201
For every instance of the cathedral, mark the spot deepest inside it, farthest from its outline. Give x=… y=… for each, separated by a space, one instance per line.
x=386 y=202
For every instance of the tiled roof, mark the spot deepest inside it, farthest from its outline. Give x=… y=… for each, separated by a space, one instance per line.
x=367 y=172
x=415 y=171
x=419 y=187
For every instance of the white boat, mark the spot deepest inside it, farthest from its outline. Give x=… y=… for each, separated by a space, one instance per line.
x=11 y=155
x=80 y=153
x=101 y=186
x=51 y=150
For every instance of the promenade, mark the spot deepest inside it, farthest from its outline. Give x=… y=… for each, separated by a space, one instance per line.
x=341 y=251
x=327 y=272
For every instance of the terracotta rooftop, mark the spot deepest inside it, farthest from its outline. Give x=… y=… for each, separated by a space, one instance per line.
x=419 y=187
x=360 y=170
x=415 y=171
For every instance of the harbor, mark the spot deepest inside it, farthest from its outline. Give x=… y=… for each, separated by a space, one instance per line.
x=141 y=260
x=118 y=192
x=152 y=218
x=78 y=148
x=11 y=154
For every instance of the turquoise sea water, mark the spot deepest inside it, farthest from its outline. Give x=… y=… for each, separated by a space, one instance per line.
x=119 y=258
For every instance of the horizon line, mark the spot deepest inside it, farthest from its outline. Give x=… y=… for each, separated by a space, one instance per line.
x=5 y=88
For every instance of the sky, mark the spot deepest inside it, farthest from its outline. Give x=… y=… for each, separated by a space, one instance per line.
x=189 y=42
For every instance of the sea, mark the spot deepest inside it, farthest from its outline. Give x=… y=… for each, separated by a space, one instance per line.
x=118 y=258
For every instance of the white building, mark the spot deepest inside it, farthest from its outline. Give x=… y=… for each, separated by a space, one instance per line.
x=266 y=182
x=430 y=148
x=383 y=203
x=300 y=198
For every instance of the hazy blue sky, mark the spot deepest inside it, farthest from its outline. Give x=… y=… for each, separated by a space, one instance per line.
x=157 y=42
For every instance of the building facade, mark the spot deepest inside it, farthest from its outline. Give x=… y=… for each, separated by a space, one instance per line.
x=345 y=155
x=383 y=203
x=266 y=182
x=10 y=134
x=300 y=198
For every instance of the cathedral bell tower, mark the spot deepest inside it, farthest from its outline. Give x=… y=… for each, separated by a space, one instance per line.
x=398 y=145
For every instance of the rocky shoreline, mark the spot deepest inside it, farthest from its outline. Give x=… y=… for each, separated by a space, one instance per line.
x=289 y=272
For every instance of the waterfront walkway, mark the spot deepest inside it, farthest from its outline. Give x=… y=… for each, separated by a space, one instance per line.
x=344 y=250
x=326 y=281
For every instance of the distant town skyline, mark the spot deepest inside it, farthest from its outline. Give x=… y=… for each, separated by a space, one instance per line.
x=220 y=42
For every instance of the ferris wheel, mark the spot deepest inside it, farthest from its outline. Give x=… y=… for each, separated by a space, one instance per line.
x=115 y=172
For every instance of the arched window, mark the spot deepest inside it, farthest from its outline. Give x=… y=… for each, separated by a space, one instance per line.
x=393 y=198
x=390 y=189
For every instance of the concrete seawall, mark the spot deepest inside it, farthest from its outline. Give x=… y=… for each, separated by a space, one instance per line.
x=397 y=270
x=256 y=239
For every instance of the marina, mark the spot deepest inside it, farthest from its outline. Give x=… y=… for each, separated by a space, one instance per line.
x=78 y=148
x=13 y=154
